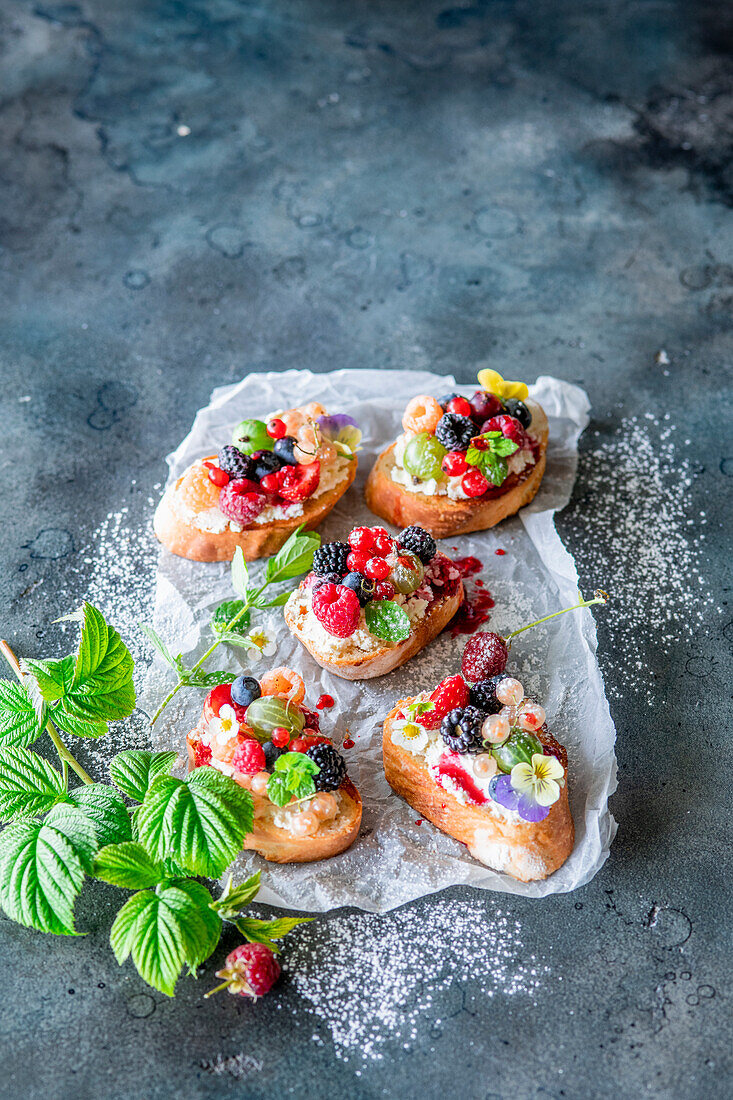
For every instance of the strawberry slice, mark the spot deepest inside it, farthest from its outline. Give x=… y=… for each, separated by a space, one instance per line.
x=300 y=482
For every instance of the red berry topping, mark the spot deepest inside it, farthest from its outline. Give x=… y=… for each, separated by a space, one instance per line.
x=240 y=502
x=312 y=718
x=454 y=463
x=250 y=970
x=298 y=745
x=485 y=655
x=383 y=545
x=460 y=406
x=201 y=754
x=473 y=482
x=280 y=736
x=361 y=538
x=448 y=695
x=384 y=590
x=326 y=702
x=249 y=757
x=271 y=482
x=217 y=698
x=484 y=405
x=380 y=531
x=276 y=429
x=217 y=475
x=377 y=569
x=509 y=426
x=299 y=482
x=356 y=561
x=337 y=609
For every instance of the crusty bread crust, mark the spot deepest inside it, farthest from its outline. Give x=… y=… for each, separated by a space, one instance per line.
x=386 y=658
x=523 y=849
x=443 y=517
x=279 y=846
x=256 y=541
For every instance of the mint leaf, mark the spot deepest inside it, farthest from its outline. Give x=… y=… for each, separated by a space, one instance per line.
x=387 y=620
x=240 y=573
x=267 y=931
x=488 y=453
x=233 y=899
x=106 y=811
x=294 y=557
x=20 y=723
x=28 y=783
x=292 y=777
x=504 y=446
x=199 y=821
x=41 y=874
x=127 y=865
x=134 y=770
x=224 y=614
x=160 y=930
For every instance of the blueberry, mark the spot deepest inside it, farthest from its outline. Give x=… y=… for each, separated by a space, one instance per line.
x=519 y=411
x=271 y=753
x=363 y=586
x=245 y=690
x=285 y=450
x=266 y=462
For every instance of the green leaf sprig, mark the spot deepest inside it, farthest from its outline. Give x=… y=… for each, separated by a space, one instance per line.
x=387 y=620
x=292 y=777
x=489 y=452
x=293 y=559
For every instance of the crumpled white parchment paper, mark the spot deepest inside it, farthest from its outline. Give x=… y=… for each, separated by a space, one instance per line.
x=395 y=859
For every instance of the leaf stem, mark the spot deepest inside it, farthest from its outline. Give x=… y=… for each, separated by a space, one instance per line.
x=599 y=597
x=64 y=754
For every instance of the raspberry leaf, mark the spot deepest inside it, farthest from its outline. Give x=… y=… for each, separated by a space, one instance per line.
x=53 y=677
x=387 y=620
x=28 y=783
x=268 y=931
x=199 y=821
x=294 y=558
x=41 y=874
x=102 y=683
x=134 y=770
x=127 y=865
x=106 y=811
x=234 y=899
x=202 y=946
x=20 y=721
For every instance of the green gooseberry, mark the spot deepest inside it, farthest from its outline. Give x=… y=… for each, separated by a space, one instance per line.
x=251 y=435
x=408 y=572
x=423 y=456
x=518 y=749
x=269 y=711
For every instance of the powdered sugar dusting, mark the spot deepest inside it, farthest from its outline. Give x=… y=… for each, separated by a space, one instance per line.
x=378 y=978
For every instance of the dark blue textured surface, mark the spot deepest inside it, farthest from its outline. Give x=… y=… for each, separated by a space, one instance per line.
x=547 y=184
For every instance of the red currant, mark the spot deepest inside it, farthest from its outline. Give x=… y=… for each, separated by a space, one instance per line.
x=280 y=737
x=380 y=531
x=473 y=483
x=454 y=464
x=356 y=561
x=361 y=538
x=271 y=482
x=384 y=590
x=377 y=569
x=276 y=429
x=383 y=545
x=460 y=406
x=298 y=745
x=218 y=476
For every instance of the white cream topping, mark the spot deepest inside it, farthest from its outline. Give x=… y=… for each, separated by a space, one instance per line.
x=362 y=642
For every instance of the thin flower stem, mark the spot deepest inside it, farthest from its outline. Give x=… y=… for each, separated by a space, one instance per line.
x=599 y=597
x=64 y=754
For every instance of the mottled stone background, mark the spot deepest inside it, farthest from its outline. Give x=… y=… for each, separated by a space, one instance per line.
x=191 y=190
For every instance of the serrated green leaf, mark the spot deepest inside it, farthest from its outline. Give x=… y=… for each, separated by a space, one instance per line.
x=233 y=899
x=28 y=783
x=157 y=643
x=224 y=614
x=105 y=809
x=504 y=447
x=211 y=921
x=199 y=821
x=103 y=671
x=78 y=829
x=20 y=724
x=127 y=865
x=385 y=619
x=41 y=875
x=75 y=720
x=240 y=573
x=294 y=557
x=53 y=677
x=134 y=770
x=268 y=931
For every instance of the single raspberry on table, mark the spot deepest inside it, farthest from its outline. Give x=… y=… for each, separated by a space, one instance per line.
x=509 y=426
x=250 y=970
x=449 y=694
x=249 y=757
x=337 y=609
x=485 y=655
x=299 y=482
x=241 y=500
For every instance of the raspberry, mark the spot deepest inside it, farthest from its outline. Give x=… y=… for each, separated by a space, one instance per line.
x=459 y=405
x=332 y=557
x=509 y=426
x=473 y=482
x=455 y=432
x=384 y=590
x=361 y=538
x=251 y=970
x=276 y=428
x=419 y=542
x=454 y=464
x=249 y=757
x=337 y=609
x=357 y=560
x=461 y=730
x=299 y=482
x=271 y=482
x=484 y=656
x=449 y=694
x=332 y=765
x=377 y=569
x=236 y=464
x=241 y=500
x=201 y=754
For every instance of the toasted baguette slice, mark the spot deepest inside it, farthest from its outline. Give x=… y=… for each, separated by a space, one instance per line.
x=356 y=665
x=257 y=540
x=443 y=517
x=280 y=846
x=522 y=849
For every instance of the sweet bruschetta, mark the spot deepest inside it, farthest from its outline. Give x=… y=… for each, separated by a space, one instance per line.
x=462 y=464
x=475 y=757
x=274 y=476
x=373 y=602
x=261 y=734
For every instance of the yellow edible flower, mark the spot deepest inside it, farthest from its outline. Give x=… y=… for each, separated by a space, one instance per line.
x=492 y=382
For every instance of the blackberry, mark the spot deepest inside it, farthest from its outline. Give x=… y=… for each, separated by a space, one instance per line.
x=285 y=450
x=419 y=542
x=332 y=765
x=443 y=401
x=461 y=729
x=455 y=432
x=519 y=411
x=363 y=586
x=266 y=462
x=235 y=463
x=245 y=690
x=483 y=694
x=331 y=558
x=327 y=578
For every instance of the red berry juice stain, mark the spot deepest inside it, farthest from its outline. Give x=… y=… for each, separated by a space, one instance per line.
x=348 y=743
x=500 y=553
x=477 y=600
x=468 y=567
x=419 y=821
x=454 y=771
x=325 y=702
